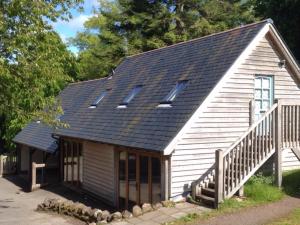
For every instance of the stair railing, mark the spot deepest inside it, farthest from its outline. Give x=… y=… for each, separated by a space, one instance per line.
x=238 y=163
x=291 y=123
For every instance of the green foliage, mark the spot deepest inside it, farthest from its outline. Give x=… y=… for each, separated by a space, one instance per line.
x=34 y=63
x=285 y=14
x=126 y=27
x=261 y=190
x=291 y=183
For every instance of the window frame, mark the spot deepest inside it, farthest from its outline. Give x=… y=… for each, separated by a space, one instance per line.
x=99 y=99
x=131 y=95
x=175 y=91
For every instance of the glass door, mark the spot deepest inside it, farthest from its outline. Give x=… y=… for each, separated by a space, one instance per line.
x=263 y=95
x=139 y=179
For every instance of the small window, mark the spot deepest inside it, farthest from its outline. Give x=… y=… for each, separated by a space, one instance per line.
x=180 y=85
x=98 y=99
x=131 y=95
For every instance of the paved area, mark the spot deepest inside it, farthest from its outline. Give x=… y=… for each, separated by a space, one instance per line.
x=256 y=216
x=164 y=215
x=18 y=207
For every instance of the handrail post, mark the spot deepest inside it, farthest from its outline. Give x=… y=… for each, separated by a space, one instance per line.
x=278 y=144
x=219 y=177
x=252 y=112
x=1 y=166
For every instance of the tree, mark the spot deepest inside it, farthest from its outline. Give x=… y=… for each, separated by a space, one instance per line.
x=126 y=27
x=286 y=17
x=34 y=63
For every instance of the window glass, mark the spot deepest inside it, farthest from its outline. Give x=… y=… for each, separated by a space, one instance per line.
x=98 y=99
x=144 y=179
x=122 y=179
x=132 y=94
x=156 y=197
x=175 y=91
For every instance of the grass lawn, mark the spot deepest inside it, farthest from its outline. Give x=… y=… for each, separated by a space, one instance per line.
x=292 y=219
x=258 y=190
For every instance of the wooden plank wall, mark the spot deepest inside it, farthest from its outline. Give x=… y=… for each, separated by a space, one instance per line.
x=227 y=118
x=98 y=170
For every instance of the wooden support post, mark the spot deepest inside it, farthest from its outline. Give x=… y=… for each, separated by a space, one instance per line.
x=33 y=176
x=219 y=178
x=164 y=178
x=18 y=159
x=278 y=141
x=31 y=152
x=1 y=165
x=61 y=153
x=240 y=192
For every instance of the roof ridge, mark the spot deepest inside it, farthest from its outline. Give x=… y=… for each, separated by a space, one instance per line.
x=85 y=81
x=199 y=38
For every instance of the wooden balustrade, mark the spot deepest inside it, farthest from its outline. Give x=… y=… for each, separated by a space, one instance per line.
x=290 y=123
x=278 y=128
x=240 y=161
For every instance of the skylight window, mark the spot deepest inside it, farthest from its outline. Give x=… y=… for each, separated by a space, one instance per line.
x=98 y=99
x=180 y=85
x=131 y=95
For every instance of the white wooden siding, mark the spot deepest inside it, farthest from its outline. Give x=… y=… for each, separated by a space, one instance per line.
x=98 y=170
x=226 y=118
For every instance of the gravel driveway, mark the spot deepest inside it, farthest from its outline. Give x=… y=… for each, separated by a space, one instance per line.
x=18 y=207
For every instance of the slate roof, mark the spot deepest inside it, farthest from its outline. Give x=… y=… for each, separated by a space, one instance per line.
x=38 y=135
x=142 y=124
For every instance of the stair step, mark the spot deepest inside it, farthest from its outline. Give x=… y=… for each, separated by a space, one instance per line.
x=211 y=185
x=206 y=200
x=210 y=192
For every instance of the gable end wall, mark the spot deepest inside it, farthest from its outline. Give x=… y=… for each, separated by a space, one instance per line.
x=227 y=117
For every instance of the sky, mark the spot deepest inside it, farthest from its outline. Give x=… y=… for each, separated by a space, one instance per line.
x=68 y=29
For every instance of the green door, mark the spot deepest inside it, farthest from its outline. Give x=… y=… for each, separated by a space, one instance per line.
x=264 y=98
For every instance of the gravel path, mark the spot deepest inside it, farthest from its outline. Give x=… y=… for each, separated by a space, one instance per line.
x=258 y=215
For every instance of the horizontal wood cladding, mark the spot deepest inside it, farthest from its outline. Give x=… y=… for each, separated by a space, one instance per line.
x=289 y=160
x=98 y=170
x=227 y=117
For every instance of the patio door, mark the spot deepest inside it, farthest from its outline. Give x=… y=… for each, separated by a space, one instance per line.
x=264 y=97
x=139 y=179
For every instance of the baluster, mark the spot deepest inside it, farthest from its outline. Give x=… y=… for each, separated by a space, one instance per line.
x=294 y=126
x=274 y=128
x=259 y=143
x=255 y=147
x=252 y=150
x=262 y=139
x=227 y=174
x=266 y=136
x=237 y=164
x=232 y=169
x=297 y=125
x=248 y=153
x=270 y=132
x=243 y=154
x=290 y=126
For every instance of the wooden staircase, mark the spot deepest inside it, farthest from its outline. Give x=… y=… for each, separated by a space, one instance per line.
x=278 y=128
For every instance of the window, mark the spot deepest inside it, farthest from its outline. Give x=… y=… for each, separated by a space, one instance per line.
x=98 y=99
x=180 y=85
x=131 y=95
